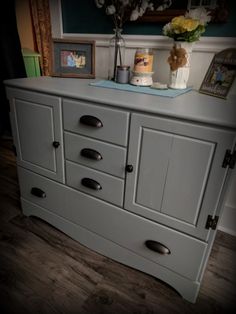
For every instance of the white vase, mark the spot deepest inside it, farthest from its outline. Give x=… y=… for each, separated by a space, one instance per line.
x=179 y=77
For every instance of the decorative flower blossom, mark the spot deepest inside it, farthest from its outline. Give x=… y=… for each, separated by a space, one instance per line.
x=123 y=10
x=110 y=10
x=199 y=14
x=99 y=3
x=189 y=27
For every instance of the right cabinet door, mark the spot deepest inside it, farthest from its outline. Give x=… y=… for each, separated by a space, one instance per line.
x=178 y=175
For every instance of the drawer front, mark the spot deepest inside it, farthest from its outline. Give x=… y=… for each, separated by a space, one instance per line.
x=117 y=225
x=95 y=154
x=109 y=125
x=95 y=183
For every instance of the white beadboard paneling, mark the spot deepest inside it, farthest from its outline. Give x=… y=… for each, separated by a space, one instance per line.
x=160 y=66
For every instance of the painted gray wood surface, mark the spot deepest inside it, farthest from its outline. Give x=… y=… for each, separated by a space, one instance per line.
x=45 y=270
x=166 y=159
x=115 y=122
x=176 y=180
x=191 y=106
x=112 y=188
x=114 y=224
x=113 y=156
x=187 y=288
x=36 y=124
x=160 y=211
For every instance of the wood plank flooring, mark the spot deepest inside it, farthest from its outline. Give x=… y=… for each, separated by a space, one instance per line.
x=44 y=271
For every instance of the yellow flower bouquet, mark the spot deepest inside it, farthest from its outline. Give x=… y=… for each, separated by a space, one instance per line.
x=189 y=27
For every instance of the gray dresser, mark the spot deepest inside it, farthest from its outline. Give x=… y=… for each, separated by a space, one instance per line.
x=138 y=178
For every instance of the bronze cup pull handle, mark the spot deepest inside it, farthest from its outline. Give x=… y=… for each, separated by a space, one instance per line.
x=91 y=184
x=157 y=247
x=91 y=121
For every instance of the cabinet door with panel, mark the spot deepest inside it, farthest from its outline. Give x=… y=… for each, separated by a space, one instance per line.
x=178 y=174
x=37 y=130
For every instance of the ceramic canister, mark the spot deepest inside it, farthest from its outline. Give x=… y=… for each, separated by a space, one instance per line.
x=123 y=74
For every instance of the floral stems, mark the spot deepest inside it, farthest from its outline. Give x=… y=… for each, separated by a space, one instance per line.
x=115 y=59
x=116 y=56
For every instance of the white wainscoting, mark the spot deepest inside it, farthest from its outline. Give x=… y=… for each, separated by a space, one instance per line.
x=203 y=52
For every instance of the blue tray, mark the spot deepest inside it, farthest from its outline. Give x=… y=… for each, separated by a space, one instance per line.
x=141 y=89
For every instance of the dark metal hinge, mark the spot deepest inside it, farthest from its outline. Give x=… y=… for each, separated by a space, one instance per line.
x=229 y=159
x=212 y=222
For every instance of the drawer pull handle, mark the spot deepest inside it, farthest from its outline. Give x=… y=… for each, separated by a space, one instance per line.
x=90 y=183
x=38 y=192
x=56 y=144
x=157 y=247
x=91 y=154
x=91 y=121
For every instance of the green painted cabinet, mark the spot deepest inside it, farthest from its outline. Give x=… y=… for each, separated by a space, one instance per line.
x=31 y=61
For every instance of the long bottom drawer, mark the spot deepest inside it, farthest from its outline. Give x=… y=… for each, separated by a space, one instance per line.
x=173 y=250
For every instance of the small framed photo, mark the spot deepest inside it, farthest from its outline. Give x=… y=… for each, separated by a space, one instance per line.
x=73 y=58
x=220 y=75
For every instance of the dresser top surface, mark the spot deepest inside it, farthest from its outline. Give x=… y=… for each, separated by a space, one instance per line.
x=191 y=106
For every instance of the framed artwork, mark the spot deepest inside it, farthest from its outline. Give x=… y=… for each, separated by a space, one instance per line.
x=220 y=75
x=218 y=8
x=73 y=58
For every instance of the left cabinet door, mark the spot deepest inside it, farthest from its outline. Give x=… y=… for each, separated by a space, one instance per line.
x=37 y=130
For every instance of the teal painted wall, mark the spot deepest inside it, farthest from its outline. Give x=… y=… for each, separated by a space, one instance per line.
x=83 y=17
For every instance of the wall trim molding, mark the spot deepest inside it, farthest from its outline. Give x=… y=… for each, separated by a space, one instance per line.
x=205 y=44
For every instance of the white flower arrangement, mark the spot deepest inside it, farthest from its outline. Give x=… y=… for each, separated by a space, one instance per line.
x=124 y=10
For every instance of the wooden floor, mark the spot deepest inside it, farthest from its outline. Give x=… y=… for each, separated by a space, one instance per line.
x=44 y=271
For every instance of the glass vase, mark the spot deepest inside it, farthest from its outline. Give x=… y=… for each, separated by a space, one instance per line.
x=116 y=53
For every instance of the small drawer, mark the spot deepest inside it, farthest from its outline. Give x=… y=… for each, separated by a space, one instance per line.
x=96 y=121
x=95 y=183
x=95 y=154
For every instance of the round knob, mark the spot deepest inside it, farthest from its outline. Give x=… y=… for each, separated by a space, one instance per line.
x=129 y=168
x=56 y=144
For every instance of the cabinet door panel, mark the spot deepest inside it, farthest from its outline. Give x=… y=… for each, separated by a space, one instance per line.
x=156 y=147
x=35 y=130
x=36 y=125
x=177 y=175
x=189 y=163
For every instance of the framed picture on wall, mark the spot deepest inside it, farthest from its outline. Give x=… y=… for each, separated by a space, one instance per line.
x=220 y=75
x=164 y=11
x=73 y=58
